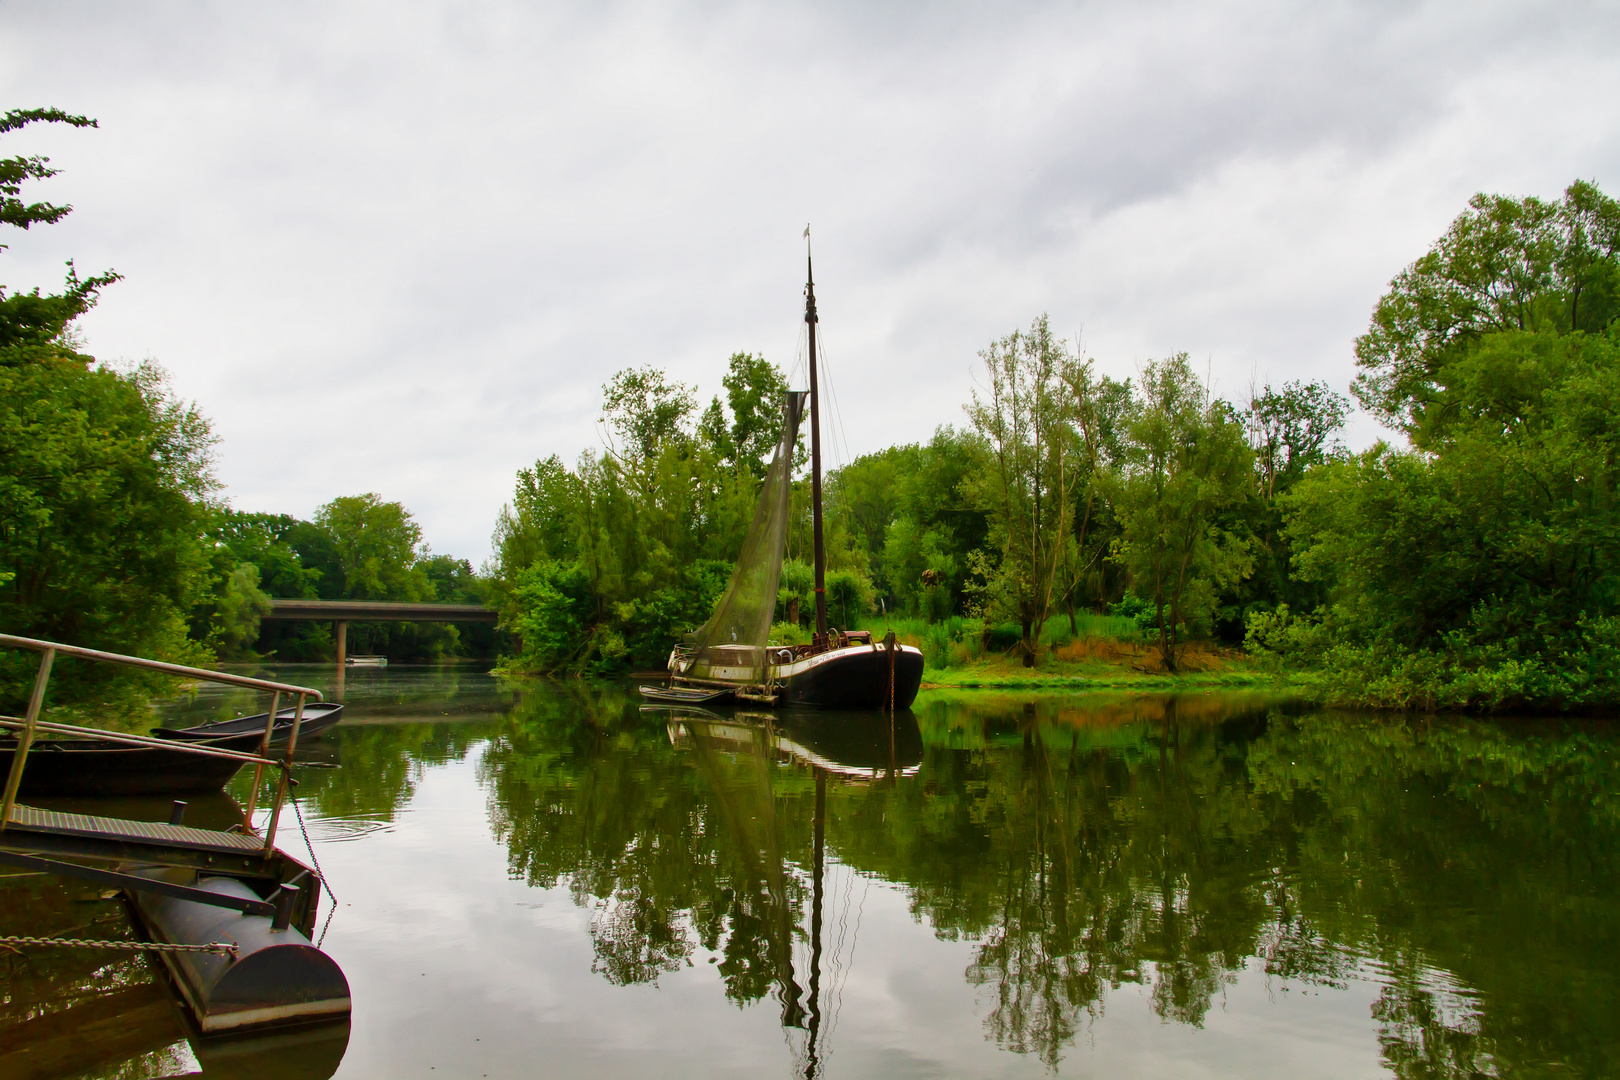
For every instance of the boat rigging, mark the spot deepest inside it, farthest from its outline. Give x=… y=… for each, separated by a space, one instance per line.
x=732 y=656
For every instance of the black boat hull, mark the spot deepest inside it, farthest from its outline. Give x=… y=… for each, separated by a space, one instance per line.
x=86 y=767
x=855 y=678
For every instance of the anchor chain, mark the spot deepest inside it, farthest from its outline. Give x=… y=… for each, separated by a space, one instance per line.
x=223 y=947
x=309 y=845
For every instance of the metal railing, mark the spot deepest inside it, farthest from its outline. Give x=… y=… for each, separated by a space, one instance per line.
x=30 y=725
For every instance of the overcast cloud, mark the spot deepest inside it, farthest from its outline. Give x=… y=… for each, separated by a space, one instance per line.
x=399 y=247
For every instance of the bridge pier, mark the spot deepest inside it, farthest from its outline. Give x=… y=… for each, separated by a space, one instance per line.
x=340 y=630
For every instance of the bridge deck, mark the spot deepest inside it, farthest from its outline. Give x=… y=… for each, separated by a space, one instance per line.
x=379 y=611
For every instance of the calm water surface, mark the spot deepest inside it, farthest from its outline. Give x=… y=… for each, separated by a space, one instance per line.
x=545 y=880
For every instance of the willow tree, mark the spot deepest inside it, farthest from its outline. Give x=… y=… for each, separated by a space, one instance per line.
x=1187 y=460
x=1029 y=478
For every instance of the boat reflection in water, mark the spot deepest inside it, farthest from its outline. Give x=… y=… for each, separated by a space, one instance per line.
x=850 y=745
x=841 y=748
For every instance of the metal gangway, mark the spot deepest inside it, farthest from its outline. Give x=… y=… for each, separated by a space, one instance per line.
x=38 y=840
x=251 y=966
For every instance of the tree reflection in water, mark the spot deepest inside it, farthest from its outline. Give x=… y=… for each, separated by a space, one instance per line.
x=1087 y=844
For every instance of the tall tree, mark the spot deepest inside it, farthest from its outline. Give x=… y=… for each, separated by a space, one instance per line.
x=1482 y=570
x=647 y=412
x=1028 y=484
x=754 y=389
x=378 y=545
x=1101 y=408
x=1291 y=431
x=1187 y=461
x=610 y=562
x=1504 y=264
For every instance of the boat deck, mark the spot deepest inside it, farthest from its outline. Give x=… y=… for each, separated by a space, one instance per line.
x=89 y=827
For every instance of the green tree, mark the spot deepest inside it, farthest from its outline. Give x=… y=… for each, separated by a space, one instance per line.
x=1027 y=487
x=239 y=606
x=378 y=545
x=647 y=412
x=1186 y=463
x=754 y=389
x=105 y=478
x=1290 y=429
x=104 y=482
x=380 y=555
x=1101 y=408
x=850 y=595
x=1505 y=264
x=34 y=326
x=607 y=564
x=1485 y=572
x=935 y=526
x=1478 y=570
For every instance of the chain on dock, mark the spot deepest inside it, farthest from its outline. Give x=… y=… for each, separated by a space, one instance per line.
x=331 y=909
x=124 y=946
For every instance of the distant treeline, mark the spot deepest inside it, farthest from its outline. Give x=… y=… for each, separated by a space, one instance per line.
x=357 y=548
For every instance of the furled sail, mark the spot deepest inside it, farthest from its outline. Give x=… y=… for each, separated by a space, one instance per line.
x=736 y=634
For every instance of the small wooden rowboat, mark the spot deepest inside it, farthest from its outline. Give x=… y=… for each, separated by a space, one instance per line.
x=686 y=695
x=97 y=767
x=100 y=767
x=318 y=716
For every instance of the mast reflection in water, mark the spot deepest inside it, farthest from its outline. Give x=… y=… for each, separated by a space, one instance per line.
x=845 y=747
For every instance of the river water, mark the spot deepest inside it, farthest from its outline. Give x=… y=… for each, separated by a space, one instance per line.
x=543 y=879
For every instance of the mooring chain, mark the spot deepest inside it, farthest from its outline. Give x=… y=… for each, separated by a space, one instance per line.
x=310 y=847
x=125 y=946
x=313 y=861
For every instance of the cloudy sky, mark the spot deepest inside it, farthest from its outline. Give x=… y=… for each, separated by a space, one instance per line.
x=398 y=247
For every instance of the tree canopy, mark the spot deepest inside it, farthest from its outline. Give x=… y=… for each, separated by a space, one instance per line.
x=1505 y=264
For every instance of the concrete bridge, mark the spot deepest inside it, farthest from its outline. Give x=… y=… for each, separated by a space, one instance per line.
x=340 y=613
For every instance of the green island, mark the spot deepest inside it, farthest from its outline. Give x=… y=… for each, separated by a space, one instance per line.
x=1067 y=529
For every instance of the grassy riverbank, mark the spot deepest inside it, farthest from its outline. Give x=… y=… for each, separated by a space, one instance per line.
x=1094 y=652
x=1009 y=675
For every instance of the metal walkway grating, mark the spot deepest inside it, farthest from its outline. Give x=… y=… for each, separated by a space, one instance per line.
x=32 y=819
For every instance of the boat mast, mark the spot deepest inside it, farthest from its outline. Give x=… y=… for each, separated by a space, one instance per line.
x=820 y=640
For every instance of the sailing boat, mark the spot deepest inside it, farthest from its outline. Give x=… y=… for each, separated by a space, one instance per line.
x=731 y=656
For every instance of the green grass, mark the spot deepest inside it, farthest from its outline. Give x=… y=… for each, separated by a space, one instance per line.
x=1096 y=676
x=1112 y=650
x=959 y=641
